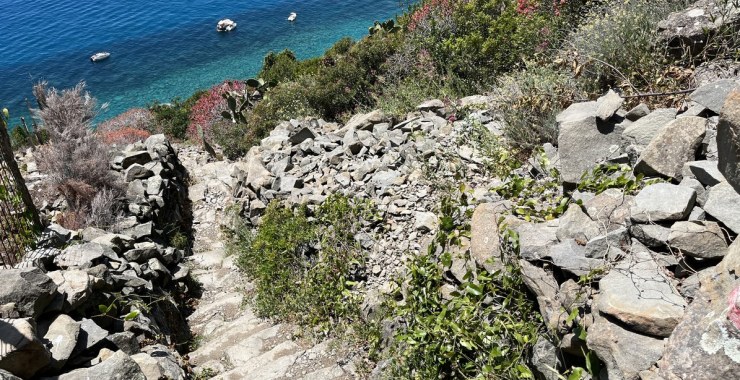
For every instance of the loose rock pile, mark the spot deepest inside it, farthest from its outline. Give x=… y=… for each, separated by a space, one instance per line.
x=662 y=265
x=99 y=304
x=371 y=157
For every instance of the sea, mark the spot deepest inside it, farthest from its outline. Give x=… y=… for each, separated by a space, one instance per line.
x=162 y=49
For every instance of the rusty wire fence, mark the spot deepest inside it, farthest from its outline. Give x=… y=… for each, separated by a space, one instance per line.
x=19 y=220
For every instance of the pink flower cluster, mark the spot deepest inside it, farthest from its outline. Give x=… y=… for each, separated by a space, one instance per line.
x=207 y=110
x=430 y=9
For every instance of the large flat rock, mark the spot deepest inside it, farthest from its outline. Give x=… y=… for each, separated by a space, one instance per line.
x=639 y=294
x=584 y=141
x=625 y=353
x=723 y=203
x=663 y=202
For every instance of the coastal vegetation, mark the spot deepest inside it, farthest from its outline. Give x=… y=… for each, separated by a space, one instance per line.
x=532 y=57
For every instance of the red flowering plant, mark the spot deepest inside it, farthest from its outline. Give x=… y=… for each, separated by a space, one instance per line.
x=206 y=112
x=129 y=127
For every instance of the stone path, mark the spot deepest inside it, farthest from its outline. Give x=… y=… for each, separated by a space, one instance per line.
x=232 y=342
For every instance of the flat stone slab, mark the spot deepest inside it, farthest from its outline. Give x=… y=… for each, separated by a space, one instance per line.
x=625 y=353
x=642 y=131
x=698 y=239
x=661 y=202
x=638 y=293
x=723 y=203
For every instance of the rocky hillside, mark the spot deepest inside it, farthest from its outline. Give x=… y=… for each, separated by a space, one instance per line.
x=610 y=252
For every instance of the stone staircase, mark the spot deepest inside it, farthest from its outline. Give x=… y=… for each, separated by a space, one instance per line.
x=232 y=342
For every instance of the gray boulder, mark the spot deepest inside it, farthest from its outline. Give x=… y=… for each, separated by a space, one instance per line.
x=74 y=286
x=575 y=224
x=722 y=204
x=625 y=353
x=610 y=209
x=663 y=201
x=365 y=121
x=640 y=295
x=704 y=171
x=23 y=354
x=584 y=141
x=536 y=238
x=672 y=147
x=705 y=344
x=728 y=140
x=569 y=256
x=642 y=131
x=698 y=239
x=713 y=95
x=652 y=235
x=62 y=337
x=608 y=105
x=689 y=29
x=543 y=285
x=85 y=255
x=118 y=366
x=138 y=157
x=137 y=171
x=90 y=334
x=29 y=290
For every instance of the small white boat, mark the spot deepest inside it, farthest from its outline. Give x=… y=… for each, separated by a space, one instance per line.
x=99 y=56
x=225 y=25
x=292 y=16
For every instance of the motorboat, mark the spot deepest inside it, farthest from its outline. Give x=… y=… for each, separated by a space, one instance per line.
x=292 y=16
x=99 y=56
x=225 y=25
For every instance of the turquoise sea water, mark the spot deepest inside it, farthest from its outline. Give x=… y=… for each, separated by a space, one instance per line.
x=162 y=49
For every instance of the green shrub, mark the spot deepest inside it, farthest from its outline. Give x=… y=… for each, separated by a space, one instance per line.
x=485 y=328
x=304 y=267
x=615 y=47
x=528 y=101
x=173 y=118
x=19 y=138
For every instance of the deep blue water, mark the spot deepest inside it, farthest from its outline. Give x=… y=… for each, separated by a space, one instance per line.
x=162 y=49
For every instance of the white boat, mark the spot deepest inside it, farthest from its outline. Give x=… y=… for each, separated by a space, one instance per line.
x=225 y=25
x=99 y=56
x=292 y=16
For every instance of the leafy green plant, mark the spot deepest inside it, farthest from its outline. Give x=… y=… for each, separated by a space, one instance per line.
x=384 y=27
x=173 y=118
x=305 y=267
x=499 y=159
x=484 y=328
x=608 y=176
x=535 y=199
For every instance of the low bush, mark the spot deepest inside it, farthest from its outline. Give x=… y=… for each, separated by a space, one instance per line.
x=305 y=267
x=75 y=159
x=173 y=118
x=528 y=102
x=206 y=111
x=484 y=328
x=615 y=47
x=131 y=126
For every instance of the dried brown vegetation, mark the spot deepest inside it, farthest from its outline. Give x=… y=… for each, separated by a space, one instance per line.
x=75 y=159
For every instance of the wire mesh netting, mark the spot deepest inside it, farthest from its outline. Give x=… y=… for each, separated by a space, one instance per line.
x=18 y=218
